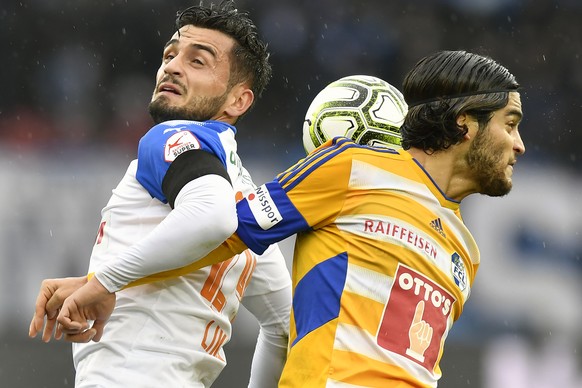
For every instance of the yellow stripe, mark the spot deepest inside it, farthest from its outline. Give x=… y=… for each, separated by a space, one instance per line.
x=318 y=247
x=352 y=306
x=353 y=368
x=308 y=362
x=316 y=157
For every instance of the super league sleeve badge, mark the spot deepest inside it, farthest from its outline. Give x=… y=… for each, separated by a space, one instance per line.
x=179 y=143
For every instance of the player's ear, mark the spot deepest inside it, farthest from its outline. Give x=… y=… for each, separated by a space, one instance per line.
x=240 y=100
x=464 y=121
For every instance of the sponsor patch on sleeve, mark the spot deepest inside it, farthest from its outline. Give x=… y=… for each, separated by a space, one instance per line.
x=179 y=143
x=263 y=208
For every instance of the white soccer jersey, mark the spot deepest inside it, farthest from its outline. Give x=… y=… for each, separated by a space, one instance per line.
x=171 y=333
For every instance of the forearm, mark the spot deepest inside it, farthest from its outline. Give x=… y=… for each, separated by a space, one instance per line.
x=272 y=311
x=203 y=217
x=224 y=251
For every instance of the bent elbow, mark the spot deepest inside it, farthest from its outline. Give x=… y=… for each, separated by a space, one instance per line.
x=228 y=224
x=224 y=221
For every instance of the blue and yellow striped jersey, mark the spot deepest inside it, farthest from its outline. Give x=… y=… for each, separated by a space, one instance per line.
x=383 y=264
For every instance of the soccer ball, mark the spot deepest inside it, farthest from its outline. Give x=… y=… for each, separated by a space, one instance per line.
x=366 y=109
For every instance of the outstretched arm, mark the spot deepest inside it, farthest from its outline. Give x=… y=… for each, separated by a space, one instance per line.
x=290 y=198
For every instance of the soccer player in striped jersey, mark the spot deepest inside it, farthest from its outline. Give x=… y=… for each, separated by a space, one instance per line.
x=176 y=203
x=383 y=262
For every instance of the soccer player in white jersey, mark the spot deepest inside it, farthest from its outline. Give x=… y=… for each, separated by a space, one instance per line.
x=383 y=261
x=176 y=203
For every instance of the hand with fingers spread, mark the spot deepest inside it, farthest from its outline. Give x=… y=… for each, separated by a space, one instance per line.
x=51 y=296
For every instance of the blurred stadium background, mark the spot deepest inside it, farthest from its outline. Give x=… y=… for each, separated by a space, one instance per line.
x=75 y=80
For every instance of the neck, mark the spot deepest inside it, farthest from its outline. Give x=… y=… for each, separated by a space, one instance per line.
x=449 y=171
x=225 y=118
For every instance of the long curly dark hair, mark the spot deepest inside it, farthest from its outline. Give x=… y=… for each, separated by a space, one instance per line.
x=250 y=58
x=446 y=84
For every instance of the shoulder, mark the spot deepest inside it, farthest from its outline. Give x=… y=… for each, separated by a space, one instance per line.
x=202 y=129
x=339 y=152
x=347 y=148
x=173 y=138
x=165 y=142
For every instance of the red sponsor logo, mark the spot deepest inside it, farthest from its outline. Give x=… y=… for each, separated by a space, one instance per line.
x=403 y=234
x=415 y=317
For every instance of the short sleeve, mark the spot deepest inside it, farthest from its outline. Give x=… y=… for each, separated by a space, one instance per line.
x=163 y=143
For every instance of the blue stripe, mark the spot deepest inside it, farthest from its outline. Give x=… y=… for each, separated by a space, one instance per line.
x=258 y=239
x=331 y=153
x=317 y=296
x=337 y=142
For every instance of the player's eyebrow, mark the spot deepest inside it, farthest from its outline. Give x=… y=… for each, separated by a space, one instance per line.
x=171 y=42
x=204 y=47
x=198 y=46
x=515 y=112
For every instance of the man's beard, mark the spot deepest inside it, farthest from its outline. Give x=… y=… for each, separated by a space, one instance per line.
x=202 y=109
x=485 y=158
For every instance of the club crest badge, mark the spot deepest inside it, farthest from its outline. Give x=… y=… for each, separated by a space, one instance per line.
x=459 y=271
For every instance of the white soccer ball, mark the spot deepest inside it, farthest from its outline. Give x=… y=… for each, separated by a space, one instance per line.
x=366 y=109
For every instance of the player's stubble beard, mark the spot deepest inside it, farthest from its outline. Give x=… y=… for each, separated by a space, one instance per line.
x=488 y=164
x=200 y=109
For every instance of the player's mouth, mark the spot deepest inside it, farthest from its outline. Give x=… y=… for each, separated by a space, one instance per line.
x=170 y=88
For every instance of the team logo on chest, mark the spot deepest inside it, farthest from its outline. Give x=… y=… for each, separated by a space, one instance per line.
x=459 y=271
x=179 y=143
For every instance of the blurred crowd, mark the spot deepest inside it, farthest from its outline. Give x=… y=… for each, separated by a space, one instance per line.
x=80 y=73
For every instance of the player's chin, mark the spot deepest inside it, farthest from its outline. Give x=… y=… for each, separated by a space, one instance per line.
x=501 y=188
x=162 y=99
x=161 y=110
x=497 y=185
